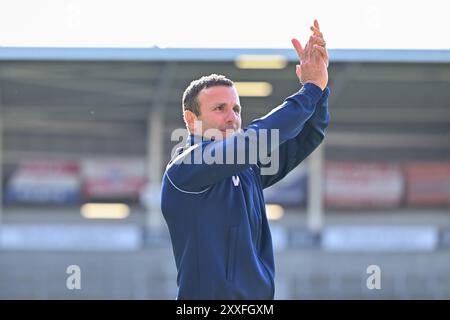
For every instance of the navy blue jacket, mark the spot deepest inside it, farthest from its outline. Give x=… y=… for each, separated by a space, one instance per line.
x=216 y=212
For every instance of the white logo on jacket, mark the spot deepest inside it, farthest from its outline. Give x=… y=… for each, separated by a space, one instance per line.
x=235 y=180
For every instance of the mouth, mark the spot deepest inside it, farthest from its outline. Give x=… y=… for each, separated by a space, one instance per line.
x=232 y=130
x=229 y=128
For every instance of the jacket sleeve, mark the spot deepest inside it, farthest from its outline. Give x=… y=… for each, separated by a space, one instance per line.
x=191 y=171
x=292 y=152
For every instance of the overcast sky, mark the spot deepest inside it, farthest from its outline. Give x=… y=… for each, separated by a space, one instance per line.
x=223 y=24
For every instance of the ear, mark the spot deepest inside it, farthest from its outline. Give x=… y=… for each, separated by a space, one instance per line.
x=189 y=119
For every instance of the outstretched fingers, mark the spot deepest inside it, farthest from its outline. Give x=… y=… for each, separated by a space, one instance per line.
x=323 y=52
x=316 y=24
x=298 y=48
x=316 y=32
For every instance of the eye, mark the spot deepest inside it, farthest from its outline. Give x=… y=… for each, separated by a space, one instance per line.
x=220 y=108
x=237 y=110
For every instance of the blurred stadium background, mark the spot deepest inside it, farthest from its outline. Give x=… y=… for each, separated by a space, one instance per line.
x=81 y=128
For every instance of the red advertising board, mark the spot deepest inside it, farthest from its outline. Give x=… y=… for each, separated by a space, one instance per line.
x=427 y=183
x=113 y=178
x=363 y=184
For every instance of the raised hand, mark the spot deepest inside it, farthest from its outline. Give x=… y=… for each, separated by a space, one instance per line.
x=313 y=59
x=317 y=38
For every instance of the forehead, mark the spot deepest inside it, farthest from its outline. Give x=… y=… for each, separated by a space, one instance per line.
x=218 y=94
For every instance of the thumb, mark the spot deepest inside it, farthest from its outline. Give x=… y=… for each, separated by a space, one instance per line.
x=298 y=70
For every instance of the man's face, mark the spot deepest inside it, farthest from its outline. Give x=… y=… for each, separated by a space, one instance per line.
x=219 y=109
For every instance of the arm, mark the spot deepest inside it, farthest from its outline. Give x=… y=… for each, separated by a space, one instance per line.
x=289 y=118
x=190 y=172
x=294 y=151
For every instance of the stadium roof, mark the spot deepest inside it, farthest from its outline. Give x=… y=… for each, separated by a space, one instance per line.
x=208 y=54
x=74 y=102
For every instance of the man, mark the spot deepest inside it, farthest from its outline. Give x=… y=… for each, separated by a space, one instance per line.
x=215 y=211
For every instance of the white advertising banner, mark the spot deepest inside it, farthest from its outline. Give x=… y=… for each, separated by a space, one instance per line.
x=45 y=182
x=380 y=238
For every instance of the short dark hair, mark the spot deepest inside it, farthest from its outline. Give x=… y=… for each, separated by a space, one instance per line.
x=190 y=95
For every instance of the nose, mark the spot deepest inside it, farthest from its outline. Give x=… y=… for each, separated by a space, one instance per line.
x=231 y=116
